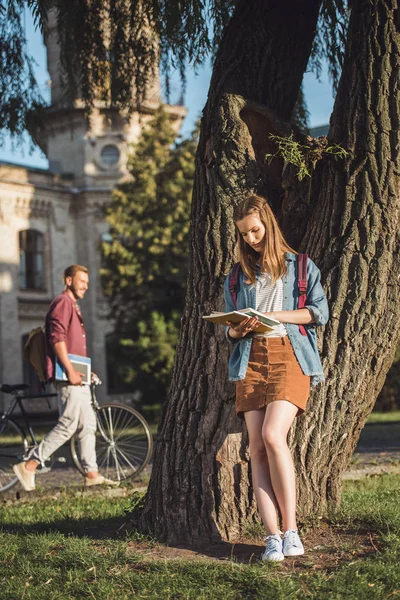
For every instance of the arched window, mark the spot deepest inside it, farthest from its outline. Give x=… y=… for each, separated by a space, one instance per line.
x=31 y=260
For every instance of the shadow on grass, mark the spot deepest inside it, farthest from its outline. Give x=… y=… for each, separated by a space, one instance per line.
x=118 y=528
x=326 y=548
x=112 y=528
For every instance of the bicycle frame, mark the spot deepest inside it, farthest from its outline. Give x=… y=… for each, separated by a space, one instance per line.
x=17 y=400
x=96 y=407
x=124 y=437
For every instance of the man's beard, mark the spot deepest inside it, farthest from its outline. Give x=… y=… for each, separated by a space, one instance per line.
x=73 y=289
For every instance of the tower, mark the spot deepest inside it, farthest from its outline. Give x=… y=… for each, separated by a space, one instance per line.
x=50 y=219
x=88 y=158
x=93 y=155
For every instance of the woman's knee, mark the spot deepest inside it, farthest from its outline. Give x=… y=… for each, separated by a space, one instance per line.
x=273 y=438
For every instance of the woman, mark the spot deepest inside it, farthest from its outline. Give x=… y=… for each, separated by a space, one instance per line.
x=273 y=371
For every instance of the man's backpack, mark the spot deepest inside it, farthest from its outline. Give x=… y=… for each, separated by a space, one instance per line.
x=35 y=352
x=301 y=282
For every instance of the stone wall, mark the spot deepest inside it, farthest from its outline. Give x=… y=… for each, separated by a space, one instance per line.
x=71 y=224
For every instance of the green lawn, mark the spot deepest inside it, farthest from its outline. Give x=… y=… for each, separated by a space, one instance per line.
x=384 y=417
x=72 y=546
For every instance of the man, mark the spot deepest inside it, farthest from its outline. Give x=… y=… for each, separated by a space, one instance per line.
x=65 y=334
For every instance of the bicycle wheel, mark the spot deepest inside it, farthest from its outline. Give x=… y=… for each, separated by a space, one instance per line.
x=13 y=448
x=124 y=442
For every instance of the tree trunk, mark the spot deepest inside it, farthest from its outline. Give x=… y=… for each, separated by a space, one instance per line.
x=199 y=489
x=353 y=235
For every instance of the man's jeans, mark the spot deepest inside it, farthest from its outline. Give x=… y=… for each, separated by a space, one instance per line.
x=76 y=416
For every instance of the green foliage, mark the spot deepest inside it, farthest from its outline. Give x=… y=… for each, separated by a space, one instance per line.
x=304 y=156
x=145 y=263
x=19 y=92
x=330 y=39
x=109 y=49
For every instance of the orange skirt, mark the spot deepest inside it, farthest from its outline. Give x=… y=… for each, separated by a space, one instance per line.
x=273 y=373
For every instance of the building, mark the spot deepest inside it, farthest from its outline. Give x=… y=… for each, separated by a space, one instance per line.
x=52 y=218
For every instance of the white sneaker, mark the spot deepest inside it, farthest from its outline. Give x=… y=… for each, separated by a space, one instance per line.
x=292 y=545
x=100 y=480
x=273 y=550
x=26 y=478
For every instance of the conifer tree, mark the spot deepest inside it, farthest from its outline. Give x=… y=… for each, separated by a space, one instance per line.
x=145 y=261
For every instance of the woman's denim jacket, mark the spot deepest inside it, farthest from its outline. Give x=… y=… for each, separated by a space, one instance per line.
x=305 y=347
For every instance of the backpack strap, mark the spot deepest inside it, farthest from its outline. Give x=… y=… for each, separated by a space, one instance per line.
x=302 y=260
x=233 y=282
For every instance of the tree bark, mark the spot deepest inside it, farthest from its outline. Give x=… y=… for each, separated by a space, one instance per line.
x=353 y=234
x=199 y=489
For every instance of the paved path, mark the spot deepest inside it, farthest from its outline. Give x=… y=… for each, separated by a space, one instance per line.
x=64 y=474
x=378 y=451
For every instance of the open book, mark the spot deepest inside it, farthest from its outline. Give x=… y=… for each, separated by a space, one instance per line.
x=236 y=316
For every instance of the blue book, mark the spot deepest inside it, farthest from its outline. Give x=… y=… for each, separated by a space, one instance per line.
x=82 y=364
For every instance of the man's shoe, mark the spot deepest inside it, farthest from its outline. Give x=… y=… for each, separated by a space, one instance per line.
x=100 y=480
x=273 y=550
x=292 y=545
x=26 y=478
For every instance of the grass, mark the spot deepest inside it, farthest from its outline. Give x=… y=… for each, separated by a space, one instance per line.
x=384 y=417
x=75 y=546
x=372 y=503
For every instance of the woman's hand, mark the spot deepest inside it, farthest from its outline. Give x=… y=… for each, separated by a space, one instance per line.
x=239 y=330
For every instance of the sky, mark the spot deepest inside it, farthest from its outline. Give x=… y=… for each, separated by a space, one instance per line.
x=318 y=97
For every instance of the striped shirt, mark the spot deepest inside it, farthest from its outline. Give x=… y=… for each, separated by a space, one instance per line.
x=269 y=298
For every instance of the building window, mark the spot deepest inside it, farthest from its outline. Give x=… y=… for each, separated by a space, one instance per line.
x=110 y=155
x=31 y=260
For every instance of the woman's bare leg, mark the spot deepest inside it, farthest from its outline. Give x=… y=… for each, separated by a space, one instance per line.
x=279 y=416
x=266 y=501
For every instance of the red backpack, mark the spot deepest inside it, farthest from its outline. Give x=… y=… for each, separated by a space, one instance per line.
x=301 y=283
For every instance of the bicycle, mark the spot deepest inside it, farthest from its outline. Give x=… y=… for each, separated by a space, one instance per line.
x=124 y=442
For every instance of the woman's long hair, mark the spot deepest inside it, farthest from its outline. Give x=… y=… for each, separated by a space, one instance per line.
x=272 y=257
